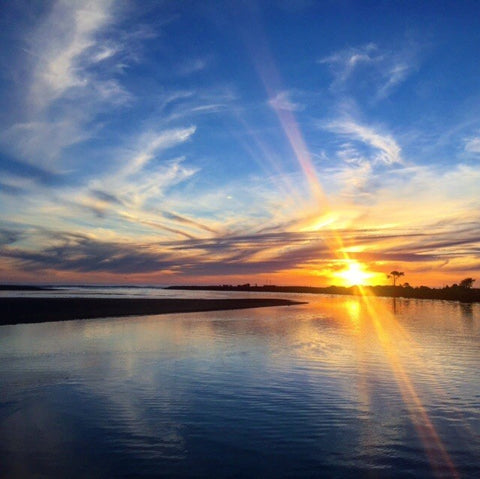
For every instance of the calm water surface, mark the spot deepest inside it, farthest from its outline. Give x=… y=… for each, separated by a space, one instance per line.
x=341 y=387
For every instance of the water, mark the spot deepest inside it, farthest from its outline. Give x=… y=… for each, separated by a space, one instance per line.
x=341 y=387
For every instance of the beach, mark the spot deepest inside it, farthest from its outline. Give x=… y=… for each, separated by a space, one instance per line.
x=39 y=310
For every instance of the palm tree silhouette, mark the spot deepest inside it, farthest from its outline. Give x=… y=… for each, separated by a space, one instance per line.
x=395 y=275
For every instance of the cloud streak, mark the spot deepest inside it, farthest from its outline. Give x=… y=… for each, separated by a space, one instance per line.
x=472 y=145
x=63 y=73
x=256 y=253
x=61 y=42
x=381 y=69
x=388 y=150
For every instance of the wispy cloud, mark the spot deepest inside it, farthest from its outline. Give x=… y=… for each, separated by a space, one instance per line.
x=426 y=245
x=40 y=142
x=151 y=143
x=382 y=69
x=472 y=145
x=193 y=65
x=388 y=150
x=344 y=62
x=67 y=34
x=182 y=219
x=74 y=80
x=64 y=53
x=283 y=101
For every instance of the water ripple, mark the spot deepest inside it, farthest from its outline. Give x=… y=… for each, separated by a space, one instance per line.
x=325 y=389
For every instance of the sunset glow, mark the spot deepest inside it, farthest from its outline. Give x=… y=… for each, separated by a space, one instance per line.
x=354 y=274
x=180 y=143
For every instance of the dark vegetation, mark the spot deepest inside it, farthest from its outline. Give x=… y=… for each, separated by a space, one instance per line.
x=457 y=292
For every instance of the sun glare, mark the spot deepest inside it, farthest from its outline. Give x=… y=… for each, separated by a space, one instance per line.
x=354 y=274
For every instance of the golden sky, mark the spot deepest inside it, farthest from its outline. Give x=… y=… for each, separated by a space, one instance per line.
x=179 y=145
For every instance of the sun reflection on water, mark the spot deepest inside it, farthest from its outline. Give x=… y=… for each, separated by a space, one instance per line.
x=396 y=345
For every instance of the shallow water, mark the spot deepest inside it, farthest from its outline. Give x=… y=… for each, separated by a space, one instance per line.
x=340 y=387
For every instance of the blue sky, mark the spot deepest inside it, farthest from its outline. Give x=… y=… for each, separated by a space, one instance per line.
x=181 y=142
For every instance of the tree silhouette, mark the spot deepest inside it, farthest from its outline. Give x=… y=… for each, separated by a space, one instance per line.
x=466 y=283
x=395 y=275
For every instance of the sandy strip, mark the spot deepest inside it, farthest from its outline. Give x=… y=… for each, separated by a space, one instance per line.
x=39 y=310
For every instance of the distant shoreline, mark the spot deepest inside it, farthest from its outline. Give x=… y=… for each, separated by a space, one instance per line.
x=452 y=293
x=38 y=310
x=22 y=287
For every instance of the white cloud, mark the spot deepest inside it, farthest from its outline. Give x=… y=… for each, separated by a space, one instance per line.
x=70 y=82
x=104 y=53
x=355 y=181
x=282 y=101
x=344 y=62
x=472 y=145
x=40 y=142
x=153 y=185
x=382 y=70
x=151 y=143
x=65 y=46
x=184 y=104
x=388 y=151
x=13 y=181
x=68 y=33
x=137 y=181
x=394 y=74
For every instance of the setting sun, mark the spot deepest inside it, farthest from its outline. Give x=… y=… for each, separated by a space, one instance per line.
x=354 y=274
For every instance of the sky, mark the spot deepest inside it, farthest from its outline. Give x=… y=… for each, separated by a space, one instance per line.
x=270 y=142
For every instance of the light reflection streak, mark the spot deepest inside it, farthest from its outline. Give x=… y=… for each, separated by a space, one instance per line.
x=391 y=337
x=362 y=349
x=415 y=359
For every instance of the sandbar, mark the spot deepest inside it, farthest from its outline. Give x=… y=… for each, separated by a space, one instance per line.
x=39 y=310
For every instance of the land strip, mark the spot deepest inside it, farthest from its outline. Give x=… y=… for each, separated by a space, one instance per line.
x=450 y=293
x=39 y=310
